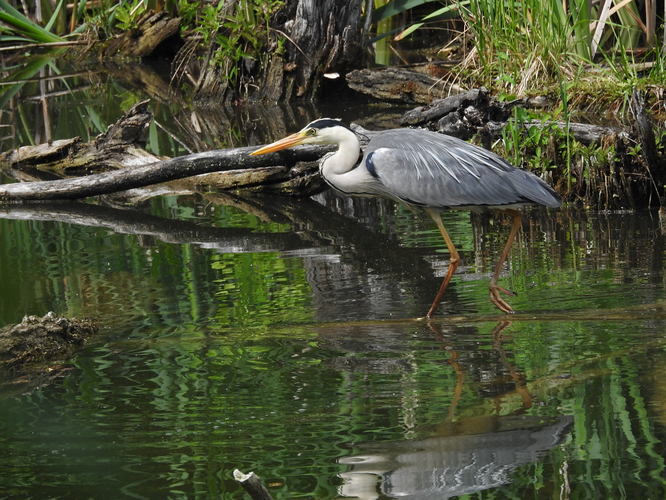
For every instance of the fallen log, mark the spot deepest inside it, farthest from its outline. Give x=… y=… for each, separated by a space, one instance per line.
x=115 y=162
x=397 y=84
x=585 y=133
x=466 y=114
x=121 y=146
x=154 y=173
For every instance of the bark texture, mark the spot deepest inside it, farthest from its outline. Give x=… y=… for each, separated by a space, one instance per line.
x=152 y=29
x=320 y=36
x=397 y=84
x=116 y=162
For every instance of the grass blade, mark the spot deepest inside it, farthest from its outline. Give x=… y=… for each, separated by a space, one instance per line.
x=54 y=16
x=396 y=7
x=22 y=25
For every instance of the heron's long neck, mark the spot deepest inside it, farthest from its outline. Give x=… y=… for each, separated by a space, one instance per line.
x=344 y=159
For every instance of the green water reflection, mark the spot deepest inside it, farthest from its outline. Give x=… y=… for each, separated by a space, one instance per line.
x=285 y=344
x=279 y=336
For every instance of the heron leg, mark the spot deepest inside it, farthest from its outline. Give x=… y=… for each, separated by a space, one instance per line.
x=454 y=260
x=494 y=288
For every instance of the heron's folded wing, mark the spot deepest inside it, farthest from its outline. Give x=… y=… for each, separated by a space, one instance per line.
x=431 y=169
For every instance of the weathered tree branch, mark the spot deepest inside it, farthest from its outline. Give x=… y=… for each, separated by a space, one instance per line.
x=397 y=84
x=253 y=485
x=154 y=173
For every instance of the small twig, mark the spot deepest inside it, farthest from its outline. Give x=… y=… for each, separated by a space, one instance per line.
x=40 y=45
x=253 y=485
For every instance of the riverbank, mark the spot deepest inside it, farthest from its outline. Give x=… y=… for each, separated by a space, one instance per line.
x=545 y=103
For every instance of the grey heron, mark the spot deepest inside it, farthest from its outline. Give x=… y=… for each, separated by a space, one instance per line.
x=428 y=170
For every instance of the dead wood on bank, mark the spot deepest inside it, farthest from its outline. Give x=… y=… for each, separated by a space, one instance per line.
x=163 y=171
x=468 y=113
x=117 y=162
x=397 y=84
x=153 y=28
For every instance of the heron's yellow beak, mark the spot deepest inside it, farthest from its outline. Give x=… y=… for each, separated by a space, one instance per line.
x=287 y=142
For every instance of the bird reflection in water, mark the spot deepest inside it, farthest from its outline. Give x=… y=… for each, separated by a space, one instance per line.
x=466 y=454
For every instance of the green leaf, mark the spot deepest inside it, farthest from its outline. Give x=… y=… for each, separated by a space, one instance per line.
x=24 y=26
x=408 y=31
x=13 y=38
x=445 y=10
x=433 y=16
x=54 y=16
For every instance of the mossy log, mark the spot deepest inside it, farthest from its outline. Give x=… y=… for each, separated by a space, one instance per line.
x=152 y=28
x=38 y=339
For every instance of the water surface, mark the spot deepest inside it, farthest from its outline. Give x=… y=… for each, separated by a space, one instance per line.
x=281 y=336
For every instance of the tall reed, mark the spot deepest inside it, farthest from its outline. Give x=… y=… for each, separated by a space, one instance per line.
x=522 y=45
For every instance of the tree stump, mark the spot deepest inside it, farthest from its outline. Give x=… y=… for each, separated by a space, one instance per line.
x=320 y=36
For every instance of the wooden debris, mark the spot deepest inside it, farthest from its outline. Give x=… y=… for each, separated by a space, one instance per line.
x=153 y=28
x=116 y=161
x=154 y=173
x=466 y=114
x=253 y=485
x=396 y=84
x=38 y=339
x=119 y=147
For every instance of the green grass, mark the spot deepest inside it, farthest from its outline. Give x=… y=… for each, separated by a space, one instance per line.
x=523 y=47
x=528 y=47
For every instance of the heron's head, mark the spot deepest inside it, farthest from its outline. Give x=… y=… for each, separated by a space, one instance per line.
x=321 y=131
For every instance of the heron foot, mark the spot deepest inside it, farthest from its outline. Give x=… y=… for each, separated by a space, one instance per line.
x=499 y=302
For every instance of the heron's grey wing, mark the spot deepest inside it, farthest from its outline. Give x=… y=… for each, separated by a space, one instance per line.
x=436 y=170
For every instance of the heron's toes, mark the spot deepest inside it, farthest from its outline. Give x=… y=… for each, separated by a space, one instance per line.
x=504 y=291
x=499 y=302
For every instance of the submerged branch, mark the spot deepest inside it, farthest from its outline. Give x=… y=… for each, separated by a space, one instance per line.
x=252 y=484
